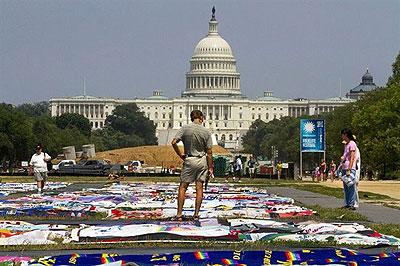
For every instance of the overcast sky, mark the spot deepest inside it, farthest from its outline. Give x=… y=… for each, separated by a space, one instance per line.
x=126 y=49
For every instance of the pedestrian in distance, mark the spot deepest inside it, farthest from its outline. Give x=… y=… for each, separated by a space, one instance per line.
x=38 y=167
x=349 y=169
x=252 y=166
x=322 y=169
x=279 y=168
x=317 y=174
x=238 y=168
x=332 y=170
x=197 y=160
x=231 y=171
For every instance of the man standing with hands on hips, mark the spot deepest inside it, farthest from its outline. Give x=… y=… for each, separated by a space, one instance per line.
x=197 y=160
x=39 y=164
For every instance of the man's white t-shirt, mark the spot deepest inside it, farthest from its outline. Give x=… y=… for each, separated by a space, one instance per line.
x=239 y=164
x=38 y=163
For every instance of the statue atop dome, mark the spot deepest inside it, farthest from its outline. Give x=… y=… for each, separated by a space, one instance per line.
x=213 y=14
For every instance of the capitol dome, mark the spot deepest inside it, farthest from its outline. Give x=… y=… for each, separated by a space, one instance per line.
x=214 y=46
x=213 y=71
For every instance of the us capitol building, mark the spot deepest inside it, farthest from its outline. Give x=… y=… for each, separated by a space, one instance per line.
x=213 y=86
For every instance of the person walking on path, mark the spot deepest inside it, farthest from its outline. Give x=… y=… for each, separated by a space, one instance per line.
x=332 y=170
x=279 y=168
x=238 y=168
x=349 y=165
x=39 y=164
x=252 y=166
x=197 y=160
x=231 y=171
x=322 y=169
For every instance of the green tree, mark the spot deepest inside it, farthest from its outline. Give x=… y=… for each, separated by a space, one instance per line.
x=282 y=134
x=16 y=136
x=35 y=109
x=109 y=139
x=395 y=78
x=379 y=122
x=69 y=120
x=129 y=120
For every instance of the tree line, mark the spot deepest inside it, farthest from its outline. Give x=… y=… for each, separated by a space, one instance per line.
x=23 y=126
x=375 y=120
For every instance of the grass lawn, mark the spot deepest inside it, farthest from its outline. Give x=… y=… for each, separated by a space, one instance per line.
x=337 y=192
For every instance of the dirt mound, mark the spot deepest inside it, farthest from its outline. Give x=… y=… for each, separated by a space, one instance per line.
x=163 y=155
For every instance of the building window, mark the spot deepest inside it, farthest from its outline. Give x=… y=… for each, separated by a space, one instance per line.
x=216 y=136
x=180 y=115
x=96 y=124
x=163 y=124
x=148 y=107
x=163 y=115
x=223 y=137
x=274 y=108
x=274 y=116
x=252 y=108
x=240 y=124
x=240 y=115
x=180 y=124
x=216 y=124
x=267 y=116
x=259 y=116
x=180 y=107
x=259 y=109
x=253 y=116
x=156 y=115
x=281 y=108
x=101 y=124
x=230 y=137
x=91 y=124
x=226 y=124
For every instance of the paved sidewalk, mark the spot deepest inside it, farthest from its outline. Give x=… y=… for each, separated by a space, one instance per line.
x=374 y=213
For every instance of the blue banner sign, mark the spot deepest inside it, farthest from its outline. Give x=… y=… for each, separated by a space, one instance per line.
x=312 y=135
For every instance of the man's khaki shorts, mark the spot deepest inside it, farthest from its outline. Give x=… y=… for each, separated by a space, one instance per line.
x=195 y=169
x=40 y=176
